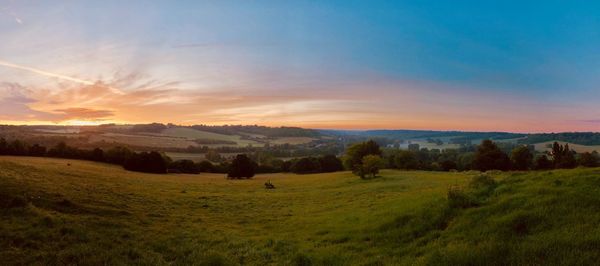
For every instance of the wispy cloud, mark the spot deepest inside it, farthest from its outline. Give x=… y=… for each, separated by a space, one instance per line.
x=52 y=75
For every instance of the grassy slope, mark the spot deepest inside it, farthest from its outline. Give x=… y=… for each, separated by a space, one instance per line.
x=91 y=213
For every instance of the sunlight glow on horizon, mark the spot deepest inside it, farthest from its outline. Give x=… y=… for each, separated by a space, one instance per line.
x=335 y=65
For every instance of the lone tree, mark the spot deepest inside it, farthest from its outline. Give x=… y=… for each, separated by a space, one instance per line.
x=355 y=154
x=371 y=165
x=242 y=168
x=490 y=157
x=521 y=158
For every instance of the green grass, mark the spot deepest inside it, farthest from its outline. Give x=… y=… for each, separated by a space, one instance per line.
x=90 y=213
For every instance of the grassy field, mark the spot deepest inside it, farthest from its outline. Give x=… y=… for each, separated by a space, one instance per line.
x=74 y=212
x=143 y=140
x=192 y=134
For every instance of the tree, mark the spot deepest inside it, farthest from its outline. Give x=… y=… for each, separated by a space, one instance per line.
x=447 y=165
x=563 y=157
x=206 y=167
x=542 y=163
x=148 y=162
x=406 y=160
x=242 y=167
x=306 y=165
x=330 y=163
x=355 y=153
x=414 y=147
x=97 y=155
x=3 y=146
x=117 y=155
x=371 y=165
x=588 y=159
x=465 y=161
x=184 y=166
x=490 y=157
x=521 y=158
x=37 y=150
x=17 y=147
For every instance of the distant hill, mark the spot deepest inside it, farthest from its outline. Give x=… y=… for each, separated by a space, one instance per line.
x=161 y=136
x=238 y=138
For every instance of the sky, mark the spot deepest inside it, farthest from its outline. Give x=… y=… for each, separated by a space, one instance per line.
x=519 y=66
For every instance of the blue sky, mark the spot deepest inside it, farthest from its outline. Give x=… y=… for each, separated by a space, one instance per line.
x=469 y=65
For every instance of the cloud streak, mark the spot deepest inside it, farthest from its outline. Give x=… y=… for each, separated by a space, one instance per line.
x=52 y=75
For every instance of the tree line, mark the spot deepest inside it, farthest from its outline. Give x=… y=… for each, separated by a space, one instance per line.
x=157 y=162
x=366 y=158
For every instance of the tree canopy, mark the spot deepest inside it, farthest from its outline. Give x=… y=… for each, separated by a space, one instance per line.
x=242 y=167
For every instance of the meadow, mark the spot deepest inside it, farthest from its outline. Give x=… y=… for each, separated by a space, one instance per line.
x=57 y=212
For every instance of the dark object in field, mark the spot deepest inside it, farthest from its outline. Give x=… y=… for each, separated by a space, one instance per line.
x=68 y=164
x=269 y=185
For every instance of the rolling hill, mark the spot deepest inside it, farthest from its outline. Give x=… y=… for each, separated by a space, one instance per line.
x=57 y=211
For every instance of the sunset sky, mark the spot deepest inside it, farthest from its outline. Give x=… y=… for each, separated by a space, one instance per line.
x=524 y=66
